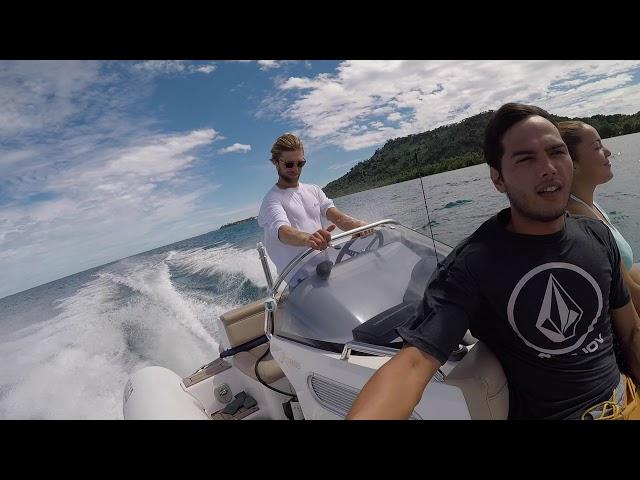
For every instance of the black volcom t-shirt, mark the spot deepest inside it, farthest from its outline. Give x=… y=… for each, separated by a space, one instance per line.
x=541 y=303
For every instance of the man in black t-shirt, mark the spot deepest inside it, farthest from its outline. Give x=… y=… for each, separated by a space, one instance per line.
x=538 y=286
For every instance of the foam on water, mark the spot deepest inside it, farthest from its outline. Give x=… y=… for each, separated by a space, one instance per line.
x=223 y=258
x=128 y=316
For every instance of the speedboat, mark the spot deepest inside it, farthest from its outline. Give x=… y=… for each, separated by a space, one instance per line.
x=327 y=324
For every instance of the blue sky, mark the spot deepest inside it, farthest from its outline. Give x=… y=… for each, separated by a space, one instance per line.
x=101 y=160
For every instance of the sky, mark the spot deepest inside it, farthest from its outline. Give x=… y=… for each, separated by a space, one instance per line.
x=100 y=160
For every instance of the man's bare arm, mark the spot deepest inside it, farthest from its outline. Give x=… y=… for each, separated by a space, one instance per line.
x=318 y=240
x=342 y=220
x=396 y=388
x=627 y=328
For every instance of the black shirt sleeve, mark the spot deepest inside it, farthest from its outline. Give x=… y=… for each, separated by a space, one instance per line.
x=450 y=300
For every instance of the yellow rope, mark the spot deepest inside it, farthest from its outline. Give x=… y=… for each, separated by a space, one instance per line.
x=612 y=404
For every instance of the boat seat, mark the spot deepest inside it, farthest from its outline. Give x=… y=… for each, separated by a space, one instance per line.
x=483 y=383
x=268 y=368
x=241 y=325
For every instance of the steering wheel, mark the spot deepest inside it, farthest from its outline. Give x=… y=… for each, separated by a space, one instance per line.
x=346 y=248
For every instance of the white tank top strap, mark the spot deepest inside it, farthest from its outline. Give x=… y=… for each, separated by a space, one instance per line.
x=579 y=201
x=595 y=207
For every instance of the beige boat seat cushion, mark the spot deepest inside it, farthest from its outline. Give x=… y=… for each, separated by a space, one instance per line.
x=242 y=325
x=268 y=368
x=483 y=383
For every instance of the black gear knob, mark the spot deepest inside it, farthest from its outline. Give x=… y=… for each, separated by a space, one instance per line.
x=323 y=269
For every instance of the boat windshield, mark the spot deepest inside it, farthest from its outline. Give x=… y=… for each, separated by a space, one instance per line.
x=336 y=290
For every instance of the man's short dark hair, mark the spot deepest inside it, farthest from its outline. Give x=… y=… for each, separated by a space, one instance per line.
x=502 y=120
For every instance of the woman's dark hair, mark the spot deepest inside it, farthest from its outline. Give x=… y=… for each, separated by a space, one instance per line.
x=570 y=132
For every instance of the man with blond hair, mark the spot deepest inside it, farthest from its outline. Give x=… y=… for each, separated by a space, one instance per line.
x=292 y=213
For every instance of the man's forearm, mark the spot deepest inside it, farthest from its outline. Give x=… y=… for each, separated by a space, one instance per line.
x=342 y=220
x=291 y=236
x=396 y=388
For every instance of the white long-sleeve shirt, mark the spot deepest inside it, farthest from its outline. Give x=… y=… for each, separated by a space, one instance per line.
x=303 y=208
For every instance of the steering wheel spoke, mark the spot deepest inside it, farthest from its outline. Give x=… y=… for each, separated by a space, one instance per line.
x=346 y=248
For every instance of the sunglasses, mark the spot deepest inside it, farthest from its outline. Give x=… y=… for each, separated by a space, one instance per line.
x=290 y=164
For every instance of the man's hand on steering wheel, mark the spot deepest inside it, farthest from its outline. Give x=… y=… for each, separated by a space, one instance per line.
x=320 y=239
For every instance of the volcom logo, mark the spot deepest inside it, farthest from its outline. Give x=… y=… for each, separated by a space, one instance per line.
x=559 y=314
x=554 y=307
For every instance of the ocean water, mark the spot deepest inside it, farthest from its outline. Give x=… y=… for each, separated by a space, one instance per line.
x=68 y=347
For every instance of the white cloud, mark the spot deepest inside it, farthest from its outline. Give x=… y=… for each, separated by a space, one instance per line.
x=44 y=94
x=266 y=65
x=10 y=157
x=169 y=67
x=269 y=64
x=340 y=166
x=206 y=68
x=236 y=147
x=595 y=97
x=359 y=106
x=161 y=66
x=159 y=158
x=83 y=181
x=98 y=210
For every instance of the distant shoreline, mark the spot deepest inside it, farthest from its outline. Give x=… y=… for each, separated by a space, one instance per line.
x=448 y=147
x=227 y=225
